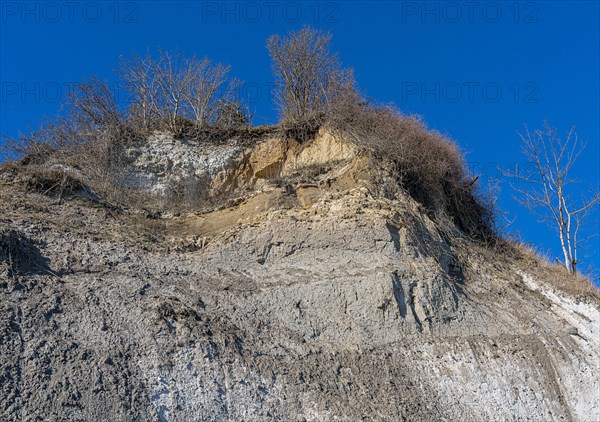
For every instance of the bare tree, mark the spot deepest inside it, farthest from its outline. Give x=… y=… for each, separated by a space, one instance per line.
x=171 y=87
x=138 y=75
x=543 y=188
x=174 y=76
x=210 y=87
x=308 y=76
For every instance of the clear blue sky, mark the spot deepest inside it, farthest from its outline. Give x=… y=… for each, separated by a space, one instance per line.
x=477 y=72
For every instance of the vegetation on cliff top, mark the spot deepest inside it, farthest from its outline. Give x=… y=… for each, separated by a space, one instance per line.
x=195 y=99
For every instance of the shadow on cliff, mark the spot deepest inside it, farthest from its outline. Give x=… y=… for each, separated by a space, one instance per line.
x=21 y=255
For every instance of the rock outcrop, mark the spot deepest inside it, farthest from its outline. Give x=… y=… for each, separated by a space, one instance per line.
x=322 y=292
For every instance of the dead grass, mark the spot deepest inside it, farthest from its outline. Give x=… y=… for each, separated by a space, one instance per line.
x=554 y=274
x=54 y=181
x=506 y=254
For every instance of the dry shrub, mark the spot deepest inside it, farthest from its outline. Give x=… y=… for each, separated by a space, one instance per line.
x=164 y=88
x=84 y=146
x=52 y=180
x=94 y=169
x=30 y=151
x=429 y=166
x=102 y=161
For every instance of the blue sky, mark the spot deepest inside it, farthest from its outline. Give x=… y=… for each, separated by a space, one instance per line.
x=477 y=71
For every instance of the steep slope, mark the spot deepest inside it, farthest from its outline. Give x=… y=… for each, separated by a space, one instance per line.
x=318 y=291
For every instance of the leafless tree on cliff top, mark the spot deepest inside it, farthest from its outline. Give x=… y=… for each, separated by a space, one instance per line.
x=169 y=87
x=543 y=188
x=308 y=76
x=138 y=77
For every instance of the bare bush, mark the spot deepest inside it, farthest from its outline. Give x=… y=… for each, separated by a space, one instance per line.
x=91 y=116
x=308 y=76
x=32 y=147
x=428 y=165
x=89 y=140
x=53 y=181
x=94 y=104
x=231 y=114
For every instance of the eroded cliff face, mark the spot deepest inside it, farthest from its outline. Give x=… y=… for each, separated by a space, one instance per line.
x=319 y=292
